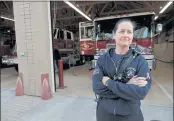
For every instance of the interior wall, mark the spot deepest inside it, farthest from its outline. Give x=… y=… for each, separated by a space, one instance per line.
x=164 y=51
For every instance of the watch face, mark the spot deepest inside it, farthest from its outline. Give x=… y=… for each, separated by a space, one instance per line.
x=120 y=76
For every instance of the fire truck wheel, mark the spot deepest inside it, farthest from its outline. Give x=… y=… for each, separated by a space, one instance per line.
x=16 y=68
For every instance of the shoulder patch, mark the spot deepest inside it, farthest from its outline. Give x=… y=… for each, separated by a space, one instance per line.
x=148 y=75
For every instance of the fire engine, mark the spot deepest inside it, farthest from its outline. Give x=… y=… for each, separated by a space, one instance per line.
x=96 y=36
x=63 y=40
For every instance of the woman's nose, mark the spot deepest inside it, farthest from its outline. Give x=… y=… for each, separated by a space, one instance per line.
x=126 y=34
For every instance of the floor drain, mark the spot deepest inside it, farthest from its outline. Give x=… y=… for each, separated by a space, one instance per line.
x=154 y=120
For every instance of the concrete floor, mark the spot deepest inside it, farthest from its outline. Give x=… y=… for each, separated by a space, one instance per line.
x=161 y=93
x=78 y=82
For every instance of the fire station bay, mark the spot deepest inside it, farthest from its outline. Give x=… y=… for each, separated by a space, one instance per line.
x=56 y=54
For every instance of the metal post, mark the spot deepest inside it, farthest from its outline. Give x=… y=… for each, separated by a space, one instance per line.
x=61 y=80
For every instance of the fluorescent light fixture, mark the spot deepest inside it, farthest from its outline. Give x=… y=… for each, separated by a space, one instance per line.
x=165 y=7
x=156 y=17
x=79 y=11
x=7 y=18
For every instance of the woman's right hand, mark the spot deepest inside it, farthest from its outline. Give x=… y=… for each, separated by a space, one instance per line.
x=139 y=81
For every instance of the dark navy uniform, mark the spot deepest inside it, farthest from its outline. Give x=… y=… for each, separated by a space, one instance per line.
x=119 y=101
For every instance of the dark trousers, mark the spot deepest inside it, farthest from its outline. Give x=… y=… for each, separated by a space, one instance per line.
x=103 y=115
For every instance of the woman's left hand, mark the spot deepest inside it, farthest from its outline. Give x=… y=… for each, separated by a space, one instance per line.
x=139 y=81
x=105 y=79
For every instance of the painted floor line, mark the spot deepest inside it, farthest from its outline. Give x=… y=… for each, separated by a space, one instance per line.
x=164 y=90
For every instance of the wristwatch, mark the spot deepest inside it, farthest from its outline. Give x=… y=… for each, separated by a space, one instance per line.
x=106 y=84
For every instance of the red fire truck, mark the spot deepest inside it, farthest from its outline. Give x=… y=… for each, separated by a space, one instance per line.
x=96 y=37
x=63 y=40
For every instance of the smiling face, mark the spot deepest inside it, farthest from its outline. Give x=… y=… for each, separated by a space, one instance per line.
x=124 y=34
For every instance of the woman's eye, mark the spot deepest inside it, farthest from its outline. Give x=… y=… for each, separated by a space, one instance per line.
x=121 y=31
x=129 y=32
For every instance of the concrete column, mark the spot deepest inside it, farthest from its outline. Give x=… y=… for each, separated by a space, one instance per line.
x=34 y=44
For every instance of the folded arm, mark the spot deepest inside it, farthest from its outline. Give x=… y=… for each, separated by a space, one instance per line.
x=131 y=91
x=98 y=87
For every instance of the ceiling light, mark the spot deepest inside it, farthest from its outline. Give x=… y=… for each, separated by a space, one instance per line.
x=165 y=7
x=7 y=18
x=79 y=11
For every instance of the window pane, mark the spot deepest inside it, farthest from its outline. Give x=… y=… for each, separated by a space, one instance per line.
x=87 y=33
x=61 y=35
x=58 y=34
x=68 y=35
x=82 y=32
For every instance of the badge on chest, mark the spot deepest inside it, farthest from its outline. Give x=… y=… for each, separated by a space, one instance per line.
x=130 y=72
x=126 y=75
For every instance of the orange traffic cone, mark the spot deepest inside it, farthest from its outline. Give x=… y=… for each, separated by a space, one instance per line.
x=46 y=91
x=19 y=87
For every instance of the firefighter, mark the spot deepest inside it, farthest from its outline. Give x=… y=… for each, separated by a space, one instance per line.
x=57 y=57
x=120 y=93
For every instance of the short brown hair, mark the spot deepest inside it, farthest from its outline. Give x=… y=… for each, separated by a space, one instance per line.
x=121 y=21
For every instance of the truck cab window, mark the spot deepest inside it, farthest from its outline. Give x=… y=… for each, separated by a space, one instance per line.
x=86 y=32
x=54 y=33
x=61 y=34
x=82 y=32
x=89 y=32
x=68 y=35
x=58 y=34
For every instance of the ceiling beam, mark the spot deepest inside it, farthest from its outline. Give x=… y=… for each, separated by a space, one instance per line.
x=125 y=5
x=115 y=6
x=104 y=7
x=129 y=5
x=68 y=17
x=133 y=5
x=7 y=6
x=168 y=20
x=139 y=4
x=128 y=11
x=81 y=4
x=148 y=4
x=89 y=9
x=75 y=24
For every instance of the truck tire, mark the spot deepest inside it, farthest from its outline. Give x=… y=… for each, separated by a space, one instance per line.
x=16 y=68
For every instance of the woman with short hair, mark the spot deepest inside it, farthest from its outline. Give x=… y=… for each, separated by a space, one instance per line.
x=119 y=96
